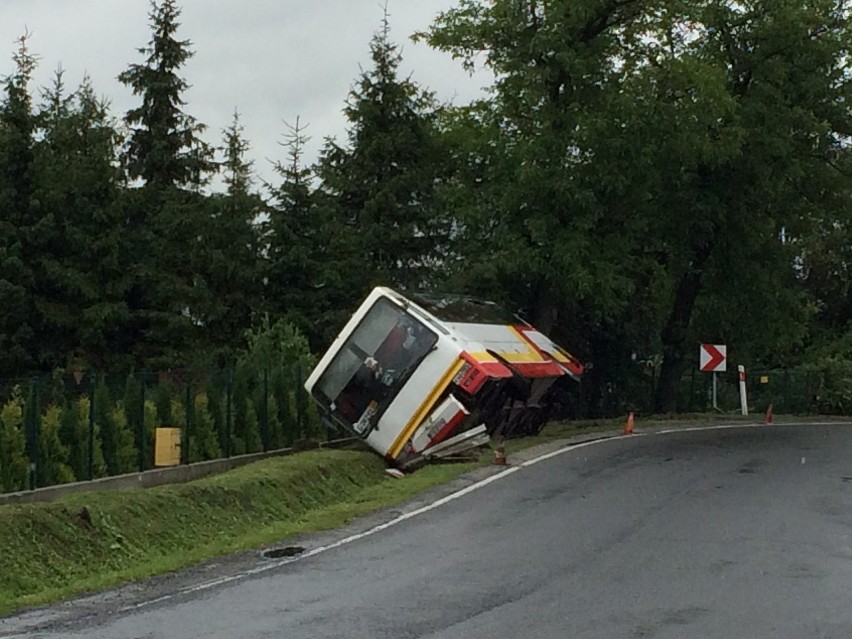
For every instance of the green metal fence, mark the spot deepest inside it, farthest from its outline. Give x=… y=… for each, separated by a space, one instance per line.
x=81 y=426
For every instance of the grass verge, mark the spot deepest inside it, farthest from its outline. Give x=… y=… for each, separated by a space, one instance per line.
x=93 y=541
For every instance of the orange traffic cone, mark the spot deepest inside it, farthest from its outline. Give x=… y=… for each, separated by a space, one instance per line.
x=768 y=418
x=500 y=453
x=628 y=427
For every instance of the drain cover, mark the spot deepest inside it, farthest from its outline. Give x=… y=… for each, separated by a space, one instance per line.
x=287 y=551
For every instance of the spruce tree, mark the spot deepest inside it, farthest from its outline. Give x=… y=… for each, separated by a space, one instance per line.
x=76 y=242
x=382 y=182
x=164 y=149
x=305 y=272
x=17 y=280
x=230 y=253
x=165 y=153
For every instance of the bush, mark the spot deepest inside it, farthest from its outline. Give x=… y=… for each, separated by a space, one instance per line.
x=246 y=431
x=13 y=460
x=119 y=452
x=834 y=394
x=203 y=443
x=52 y=465
x=74 y=433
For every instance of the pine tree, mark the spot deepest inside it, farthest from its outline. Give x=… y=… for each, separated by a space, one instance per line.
x=166 y=154
x=382 y=184
x=303 y=274
x=165 y=148
x=77 y=237
x=17 y=280
x=230 y=254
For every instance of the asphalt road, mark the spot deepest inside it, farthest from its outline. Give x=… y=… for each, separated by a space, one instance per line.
x=727 y=533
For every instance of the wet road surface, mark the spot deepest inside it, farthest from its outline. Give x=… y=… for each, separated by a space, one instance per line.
x=744 y=532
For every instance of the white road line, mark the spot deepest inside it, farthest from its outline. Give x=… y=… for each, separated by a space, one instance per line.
x=568 y=449
x=692 y=429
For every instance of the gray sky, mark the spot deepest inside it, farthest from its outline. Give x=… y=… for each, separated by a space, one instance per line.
x=272 y=60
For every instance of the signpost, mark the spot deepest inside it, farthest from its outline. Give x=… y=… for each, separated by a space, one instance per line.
x=743 y=398
x=713 y=358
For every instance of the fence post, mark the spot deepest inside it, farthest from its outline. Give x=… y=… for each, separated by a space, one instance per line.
x=788 y=403
x=264 y=435
x=92 y=429
x=185 y=443
x=142 y=427
x=33 y=412
x=299 y=402
x=229 y=393
x=691 y=406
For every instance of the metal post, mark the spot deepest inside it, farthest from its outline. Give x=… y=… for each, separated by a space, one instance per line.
x=691 y=390
x=32 y=432
x=186 y=438
x=92 y=429
x=789 y=405
x=715 y=403
x=142 y=429
x=299 y=402
x=743 y=398
x=229 y=393
x=264 y=436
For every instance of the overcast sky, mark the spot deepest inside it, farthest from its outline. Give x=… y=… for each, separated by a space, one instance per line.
x=272 y=60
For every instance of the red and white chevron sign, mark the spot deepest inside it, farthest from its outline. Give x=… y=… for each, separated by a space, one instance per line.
x=713 y=358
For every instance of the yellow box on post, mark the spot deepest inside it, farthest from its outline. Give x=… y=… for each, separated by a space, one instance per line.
x=167 y=447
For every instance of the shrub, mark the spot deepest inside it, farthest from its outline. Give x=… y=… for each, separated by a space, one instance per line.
x=119 y=452
x=52 y=465
x=204 y=443
x=13 y=460
x=834 y=394
x=74 y=433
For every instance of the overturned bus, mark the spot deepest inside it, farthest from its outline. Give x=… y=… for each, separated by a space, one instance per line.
x=424 y=376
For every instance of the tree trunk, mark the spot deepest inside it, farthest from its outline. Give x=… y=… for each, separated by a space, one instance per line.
x=546 y=311
x=674 y=333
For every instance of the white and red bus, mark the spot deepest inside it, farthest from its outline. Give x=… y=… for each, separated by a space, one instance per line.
x=415 y=375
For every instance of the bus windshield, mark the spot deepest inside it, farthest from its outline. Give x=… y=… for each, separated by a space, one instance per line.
x=373 y=365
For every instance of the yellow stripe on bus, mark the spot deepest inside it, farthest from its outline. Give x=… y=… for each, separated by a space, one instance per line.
x=523 y=340
x=424 y=408
x=526 y=357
